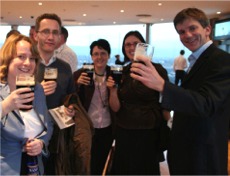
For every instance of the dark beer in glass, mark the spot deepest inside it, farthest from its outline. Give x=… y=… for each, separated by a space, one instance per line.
x=89 y=69
x=116 y=73
x=50 y=74
x=25 y=80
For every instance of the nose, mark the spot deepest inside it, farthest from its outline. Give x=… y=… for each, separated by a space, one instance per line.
x=133 y=46
x=51 y=36
x=188 y=34
x=27 y=61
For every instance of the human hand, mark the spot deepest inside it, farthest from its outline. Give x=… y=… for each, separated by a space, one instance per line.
x=33 y=147
x=17 y=100
x=110 y=83
x=69 y=111
x=113 y=98
x=84 y=79
x=146 y=73
x=49 y=87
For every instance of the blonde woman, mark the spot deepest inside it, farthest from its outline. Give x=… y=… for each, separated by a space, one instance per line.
x=17 y=56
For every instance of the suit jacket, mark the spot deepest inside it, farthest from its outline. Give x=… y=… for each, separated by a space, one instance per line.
x=12 y=133
x=199 y=136
x=86 y=92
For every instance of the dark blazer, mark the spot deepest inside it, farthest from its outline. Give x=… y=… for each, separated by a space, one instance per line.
x=199 y=136
x=86 y=92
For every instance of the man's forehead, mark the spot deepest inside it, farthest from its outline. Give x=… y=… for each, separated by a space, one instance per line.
x=187 y=22
x=50 y=24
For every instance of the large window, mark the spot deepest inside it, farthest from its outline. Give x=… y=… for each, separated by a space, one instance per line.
x=163 y=37
x=167 y=46
x=81 y=37
x=3 y=31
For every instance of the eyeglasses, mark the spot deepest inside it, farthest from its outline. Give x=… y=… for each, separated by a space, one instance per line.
x=128 y=45
x=102 y=54
x=47 y=32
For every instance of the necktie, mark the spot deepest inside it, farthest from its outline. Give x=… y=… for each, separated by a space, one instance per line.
x=191 y=60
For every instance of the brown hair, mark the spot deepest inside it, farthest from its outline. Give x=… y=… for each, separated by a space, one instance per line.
x=138 y=35
x=51 y=16
x=8 y=53
x=191 y=13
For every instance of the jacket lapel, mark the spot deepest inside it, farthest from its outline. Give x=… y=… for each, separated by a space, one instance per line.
x=203 y=59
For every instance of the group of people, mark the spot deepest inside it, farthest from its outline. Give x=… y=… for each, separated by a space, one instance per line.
x=134 y=114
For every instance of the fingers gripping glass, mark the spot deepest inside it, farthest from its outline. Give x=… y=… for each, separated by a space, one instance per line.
x=143 y=49
x=47 y=32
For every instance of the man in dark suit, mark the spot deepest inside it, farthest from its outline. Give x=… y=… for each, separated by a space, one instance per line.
x=199 y=134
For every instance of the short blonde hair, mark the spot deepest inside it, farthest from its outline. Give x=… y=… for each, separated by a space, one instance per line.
x=8 y=53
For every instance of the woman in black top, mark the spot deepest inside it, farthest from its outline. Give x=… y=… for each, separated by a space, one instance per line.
x=139 y=118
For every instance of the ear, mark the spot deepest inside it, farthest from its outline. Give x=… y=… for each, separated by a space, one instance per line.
x=208 y=30
x=35 y=34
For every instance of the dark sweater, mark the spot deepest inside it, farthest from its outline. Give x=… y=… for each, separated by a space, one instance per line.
x=65 y=84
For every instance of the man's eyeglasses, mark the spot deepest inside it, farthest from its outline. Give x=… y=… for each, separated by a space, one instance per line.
x=47 y=32
x=102 y=54
x=128 y=45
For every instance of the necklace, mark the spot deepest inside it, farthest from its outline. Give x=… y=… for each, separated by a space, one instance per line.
x=104 y=103
x=99 y=74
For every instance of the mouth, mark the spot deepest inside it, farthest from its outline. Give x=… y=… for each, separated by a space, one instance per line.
x=132 y=53
x=100 y=61
x=24 y=70
x=50 y=44
x=191 y=41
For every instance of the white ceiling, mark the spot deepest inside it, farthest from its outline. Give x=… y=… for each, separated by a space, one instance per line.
x=105 y=12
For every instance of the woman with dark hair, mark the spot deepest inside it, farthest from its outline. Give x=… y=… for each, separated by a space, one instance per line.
x=132 y=46
x=94 y=99
x=139 y=118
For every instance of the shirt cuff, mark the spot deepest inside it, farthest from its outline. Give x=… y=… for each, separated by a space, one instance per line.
x=160 y=97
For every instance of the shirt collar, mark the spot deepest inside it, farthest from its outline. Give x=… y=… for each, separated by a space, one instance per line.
x=198 y=52
x=52 y=59
x=60 y=48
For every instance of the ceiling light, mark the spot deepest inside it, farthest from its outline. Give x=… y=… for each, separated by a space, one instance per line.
x=84 y=14
x=40 y=3
x=122 y=11
x=159 y=4
x=114 y=22
x=20 y=16
x=148 y=20
x=218 y=13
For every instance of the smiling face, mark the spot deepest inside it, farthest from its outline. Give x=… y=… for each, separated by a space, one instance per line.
x=129 y=45
x=192 y=34
x=23 y=62
x=100 y=57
